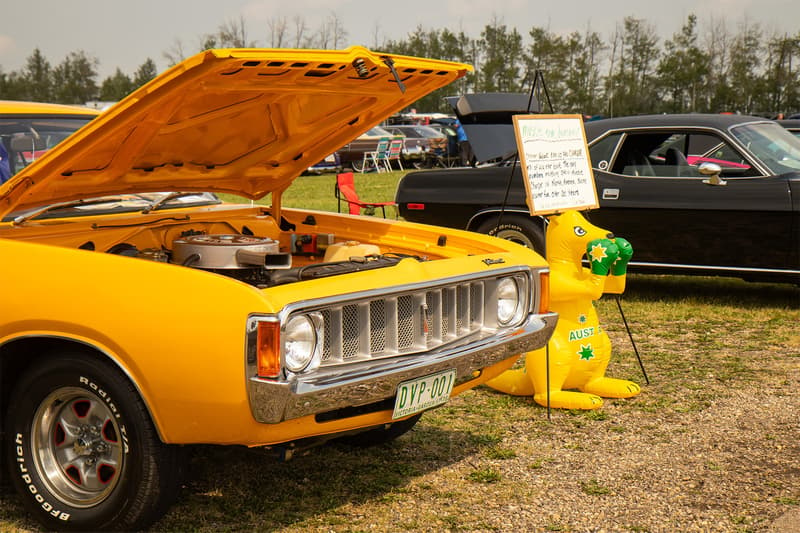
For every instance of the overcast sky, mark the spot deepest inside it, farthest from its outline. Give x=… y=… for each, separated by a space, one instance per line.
x=124 y=34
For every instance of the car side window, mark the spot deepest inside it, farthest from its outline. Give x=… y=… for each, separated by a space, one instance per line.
x=677 y=154
x=637 y=156
x=602 y=151
x=706 y=147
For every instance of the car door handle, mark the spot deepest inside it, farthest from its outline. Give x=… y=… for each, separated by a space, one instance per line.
x=610 y=194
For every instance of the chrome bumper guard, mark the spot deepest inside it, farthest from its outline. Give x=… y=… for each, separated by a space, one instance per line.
x=368 y=382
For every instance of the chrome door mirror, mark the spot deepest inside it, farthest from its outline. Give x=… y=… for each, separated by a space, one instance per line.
x=712 y=170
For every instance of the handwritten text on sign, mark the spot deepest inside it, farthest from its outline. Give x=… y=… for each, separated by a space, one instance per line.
x=555 y=163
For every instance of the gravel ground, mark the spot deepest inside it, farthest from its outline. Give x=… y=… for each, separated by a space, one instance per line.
x=711 y=445
x=721 y=455
x=732 y=467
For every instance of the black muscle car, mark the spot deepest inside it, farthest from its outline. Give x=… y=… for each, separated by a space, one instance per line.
x=694 y=193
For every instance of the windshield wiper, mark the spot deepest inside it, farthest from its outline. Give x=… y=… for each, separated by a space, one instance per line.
x=168 y=198
x=21 y=219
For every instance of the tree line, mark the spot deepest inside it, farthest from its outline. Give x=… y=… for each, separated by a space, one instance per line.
x=719 y=69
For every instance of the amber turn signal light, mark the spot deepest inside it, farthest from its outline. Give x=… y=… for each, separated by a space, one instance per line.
x=544 y=292
x=268 y=355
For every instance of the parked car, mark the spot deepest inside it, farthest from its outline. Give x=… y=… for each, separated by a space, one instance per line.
x=793 y=125
x=421 y=144
x=27 y=132
x=136 y=322
x=331 y=163
x=695 y=194
x=352 y=154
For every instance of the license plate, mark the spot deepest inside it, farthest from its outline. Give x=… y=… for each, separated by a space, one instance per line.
x=423 y=393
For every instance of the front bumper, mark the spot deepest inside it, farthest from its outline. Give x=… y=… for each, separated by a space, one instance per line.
x=368 y=382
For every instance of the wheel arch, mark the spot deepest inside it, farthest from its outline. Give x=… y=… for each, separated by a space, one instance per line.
x=20 y=354
x=484 y=214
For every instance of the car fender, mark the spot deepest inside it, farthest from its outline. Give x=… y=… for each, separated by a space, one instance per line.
x=189 y=370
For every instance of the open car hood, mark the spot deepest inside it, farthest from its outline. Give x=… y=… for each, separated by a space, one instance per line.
x=242 y=121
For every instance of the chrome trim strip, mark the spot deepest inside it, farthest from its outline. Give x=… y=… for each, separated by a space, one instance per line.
x=372 y=381
x=714 y=267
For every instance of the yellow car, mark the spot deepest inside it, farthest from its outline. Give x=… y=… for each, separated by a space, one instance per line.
x=141 y=314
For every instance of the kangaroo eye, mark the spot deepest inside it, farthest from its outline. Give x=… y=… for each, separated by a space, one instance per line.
x=579 y=231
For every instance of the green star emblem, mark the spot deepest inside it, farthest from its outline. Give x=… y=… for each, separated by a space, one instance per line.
x=582 y=319
x=586 y=352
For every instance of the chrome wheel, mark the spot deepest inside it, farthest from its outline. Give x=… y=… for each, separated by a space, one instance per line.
x=77 y=447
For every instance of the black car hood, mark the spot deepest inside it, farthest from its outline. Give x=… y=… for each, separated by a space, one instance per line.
x=486 y=119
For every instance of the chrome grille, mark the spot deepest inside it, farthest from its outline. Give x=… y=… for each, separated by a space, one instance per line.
x=350 y=331
x=387 y=325
x=377 y=320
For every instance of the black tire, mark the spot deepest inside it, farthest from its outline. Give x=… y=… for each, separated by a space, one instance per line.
x=522 y=230
x=83 y=453
x=381 y=434
x=358 y=165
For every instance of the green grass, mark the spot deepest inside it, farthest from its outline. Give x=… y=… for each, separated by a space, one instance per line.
x=317 y=191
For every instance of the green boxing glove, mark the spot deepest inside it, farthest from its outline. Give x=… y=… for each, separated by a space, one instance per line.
x=620 y=266
x=602 y=254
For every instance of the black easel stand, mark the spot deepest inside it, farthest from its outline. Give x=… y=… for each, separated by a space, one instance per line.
x=630 y=336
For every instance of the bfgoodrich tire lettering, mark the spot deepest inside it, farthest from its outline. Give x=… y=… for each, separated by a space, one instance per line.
x=83 y=452
x=521 y=230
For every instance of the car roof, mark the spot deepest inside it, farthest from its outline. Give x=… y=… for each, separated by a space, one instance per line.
x=790 y=124
x=14 y=107
x=595 y=128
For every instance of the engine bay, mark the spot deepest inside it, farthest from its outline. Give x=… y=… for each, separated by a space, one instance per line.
x=262 y=261
x=238 y=241
x=259 y=260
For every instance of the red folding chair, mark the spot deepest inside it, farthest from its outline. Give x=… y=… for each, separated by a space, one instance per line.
x=346 y=191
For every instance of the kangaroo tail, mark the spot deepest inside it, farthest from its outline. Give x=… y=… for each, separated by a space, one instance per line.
x=514 y=381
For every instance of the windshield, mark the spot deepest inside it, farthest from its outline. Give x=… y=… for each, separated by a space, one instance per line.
x=421 y=132
x=124 y=203
x=773 y=145
x=24 y=139
x=377 y=131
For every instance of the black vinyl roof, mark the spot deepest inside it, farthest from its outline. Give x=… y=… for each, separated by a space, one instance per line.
x=595 y=128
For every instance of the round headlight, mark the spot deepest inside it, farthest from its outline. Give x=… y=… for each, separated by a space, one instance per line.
x=300 y=343
x=508 y=301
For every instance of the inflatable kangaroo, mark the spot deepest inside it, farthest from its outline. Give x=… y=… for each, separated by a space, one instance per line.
x=580 y=349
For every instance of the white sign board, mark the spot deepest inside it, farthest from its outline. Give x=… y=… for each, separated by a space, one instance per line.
x=555 y=163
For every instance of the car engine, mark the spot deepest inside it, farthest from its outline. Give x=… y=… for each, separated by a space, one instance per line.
x=259 y=261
